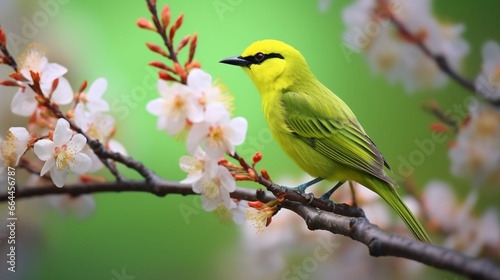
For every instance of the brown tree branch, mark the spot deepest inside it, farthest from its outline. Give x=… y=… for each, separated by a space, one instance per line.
x=379 y=243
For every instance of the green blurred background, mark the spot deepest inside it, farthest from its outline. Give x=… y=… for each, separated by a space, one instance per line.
x=148 y=237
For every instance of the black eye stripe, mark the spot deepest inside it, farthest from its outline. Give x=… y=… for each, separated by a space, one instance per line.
x=256 y=59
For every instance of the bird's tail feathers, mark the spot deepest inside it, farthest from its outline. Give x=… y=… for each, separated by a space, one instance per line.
x=389 y=194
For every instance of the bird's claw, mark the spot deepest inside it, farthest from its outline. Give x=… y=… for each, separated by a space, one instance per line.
x=326 y=198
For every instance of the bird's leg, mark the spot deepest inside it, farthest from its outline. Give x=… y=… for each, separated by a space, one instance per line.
x=326 y=196
x=303 y=187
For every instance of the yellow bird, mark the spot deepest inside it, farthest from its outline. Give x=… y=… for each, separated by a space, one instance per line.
x=315 y=127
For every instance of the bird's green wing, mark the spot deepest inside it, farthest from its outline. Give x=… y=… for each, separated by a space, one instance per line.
x=334 y=133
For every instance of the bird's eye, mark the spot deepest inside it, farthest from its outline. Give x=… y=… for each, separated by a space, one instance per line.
x=259 y=57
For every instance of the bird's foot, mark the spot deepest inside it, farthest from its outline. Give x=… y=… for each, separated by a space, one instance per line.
x=302 y=187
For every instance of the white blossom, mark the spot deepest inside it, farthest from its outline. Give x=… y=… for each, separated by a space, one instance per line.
x=93 y=98
x=217 y=133
x=177 y=107
x=393 y=53
x=476 y=151
x=95 y=124
x=201 y=82
x=63 y=153
x=212 y=181
x=489 y=79
x=24 y=102
x=15 y=145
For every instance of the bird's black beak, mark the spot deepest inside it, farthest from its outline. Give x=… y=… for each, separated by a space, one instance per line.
x=236 y=60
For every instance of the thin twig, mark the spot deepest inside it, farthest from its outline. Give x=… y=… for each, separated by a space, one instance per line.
x=439 y=59
x=286 y=193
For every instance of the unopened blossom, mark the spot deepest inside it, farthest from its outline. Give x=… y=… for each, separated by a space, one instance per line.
x=177 y=108
x=24 y=102
x=217 y=133
x=93 y=100
x=489 y=79
x=395 y=54
x=15 y=145
x=63 y=153
x=476 y=151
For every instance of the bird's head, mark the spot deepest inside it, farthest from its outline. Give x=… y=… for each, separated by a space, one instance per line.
x=271 y=64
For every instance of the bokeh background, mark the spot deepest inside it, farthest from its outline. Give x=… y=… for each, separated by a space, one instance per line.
x=141 y=236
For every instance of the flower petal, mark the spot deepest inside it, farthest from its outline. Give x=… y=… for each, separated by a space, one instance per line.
x=77 y=142
x=194 y=110
x=216 y=150
x=47 y=166
x=238 y=133
x=191 y=179
x=117 y=147
x=59 y=176
x=197 y=133
x=80 y=117
x=63 y=94
x=52 y=71
x=44 y=149
x=24 y=103
x=97 y=89
x=226 y=179
x=491 y=51
x=80 y=163
x=21 y=133
x=62 y=133
x=98 y=105
x=156 y=106
x=199 y=80
x=216 y=113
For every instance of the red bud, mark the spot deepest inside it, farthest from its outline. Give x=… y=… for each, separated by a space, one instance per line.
x=183 y=43
x=180 y=71
x=10 y=83
x=83 y=86
x=176 y=26
x=255 y=204
x=35 y=76
x=192 y=65
x=264 y=174
x=257 y=157
x=3 y=38
x=223 y=161
x=55 y=83
x=158 y=64
x=439 y=127
x=156 y=48
x=165 y=16
x=16 y=76
x=145 y=24
x=192 y=47
x=165 y=76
